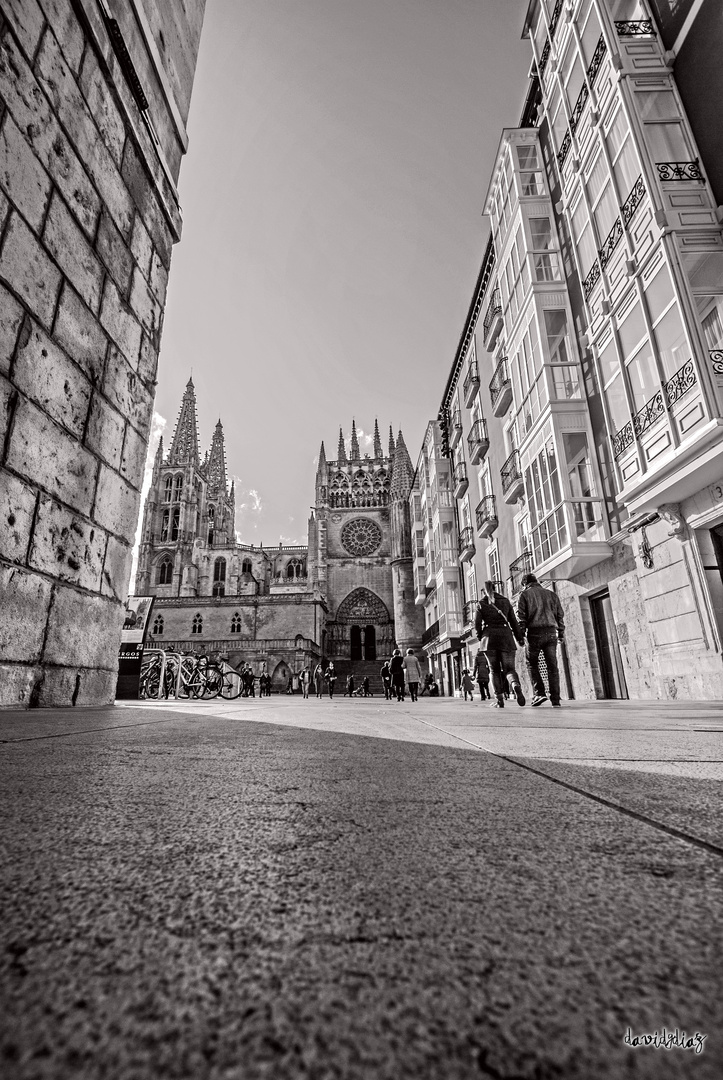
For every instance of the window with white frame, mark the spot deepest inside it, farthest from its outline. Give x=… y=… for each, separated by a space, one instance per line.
x=531 y=182
x=543 y=244
x=586 y=509
x=493 y=563
x=548 y=529
x=565 y=379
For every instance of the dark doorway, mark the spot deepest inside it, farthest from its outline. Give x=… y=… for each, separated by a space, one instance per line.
x=370 y=643
x=355 y=641
x=608 y=647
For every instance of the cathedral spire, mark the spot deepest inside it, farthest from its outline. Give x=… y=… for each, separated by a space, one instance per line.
x=158 y=460
x=354 y=442
x=184 y=444
x=403 y=473
x=377 y=441
x=341 y=452
x=321 y=467
x=217 y=461
x=391 y=443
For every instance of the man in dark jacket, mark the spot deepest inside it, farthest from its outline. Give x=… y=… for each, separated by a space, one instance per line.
x=497 y=629
x=396 y=667
x=541 y=619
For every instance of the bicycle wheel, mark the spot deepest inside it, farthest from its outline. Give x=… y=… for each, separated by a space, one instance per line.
x=232 y=685
x=191 y=681
x=213 y=681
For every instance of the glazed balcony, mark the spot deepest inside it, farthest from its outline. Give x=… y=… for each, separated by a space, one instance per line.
x=478 y=442
x=493 y=321
x=471 y=384
x=512 y=482
x=461 y=481
x=455 y=429
x=486 y=515
x=466 y=544
x=501 y=389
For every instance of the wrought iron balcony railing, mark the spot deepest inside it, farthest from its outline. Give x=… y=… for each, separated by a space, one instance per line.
x=555 y=18
x=544 y=57
x=651 y=411
x=683 y=381
x=564 y=149
x=486 y=515
x=591 y=280
x=500 y=385
x=469 y=613
x=430 y=633
x=634 y=28
x=623 y=439
x=679 y=170
x=524 y=565
x=471 y=383
x=633 y=201
x=579 y=106
x=611 y=242
x=511 y=472
x=494 y=311
x=455 y=429
x=461 y=480
x=466 y=543
x=716 y=360
x=597 y=59
x=478 y=441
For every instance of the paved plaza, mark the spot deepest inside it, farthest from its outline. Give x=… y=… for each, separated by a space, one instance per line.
x=362 y=889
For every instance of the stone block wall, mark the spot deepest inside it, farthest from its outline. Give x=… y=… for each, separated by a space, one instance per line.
x=88 y=217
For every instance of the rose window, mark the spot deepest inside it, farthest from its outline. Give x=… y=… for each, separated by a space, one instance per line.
x=361 y=536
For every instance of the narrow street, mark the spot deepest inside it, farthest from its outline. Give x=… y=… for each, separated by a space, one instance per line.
x=298 y=889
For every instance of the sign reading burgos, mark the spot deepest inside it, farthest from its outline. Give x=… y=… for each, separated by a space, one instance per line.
x=133 y=635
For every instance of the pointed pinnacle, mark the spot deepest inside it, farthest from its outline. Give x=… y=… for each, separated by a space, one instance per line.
x=341 y=452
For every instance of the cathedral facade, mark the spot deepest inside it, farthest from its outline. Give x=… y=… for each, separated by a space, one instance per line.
x=347 y=595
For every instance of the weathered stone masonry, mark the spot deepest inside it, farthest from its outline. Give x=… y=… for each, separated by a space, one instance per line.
x=90 y=150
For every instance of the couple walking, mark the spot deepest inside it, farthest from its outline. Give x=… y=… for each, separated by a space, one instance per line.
x=539 y=620
x=401 y=672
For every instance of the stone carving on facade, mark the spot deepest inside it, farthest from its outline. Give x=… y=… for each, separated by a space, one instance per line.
x=362 y=536
x=671 y=513
x=362 y=606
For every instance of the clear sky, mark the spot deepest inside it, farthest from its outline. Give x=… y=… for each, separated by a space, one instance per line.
x=339 y=154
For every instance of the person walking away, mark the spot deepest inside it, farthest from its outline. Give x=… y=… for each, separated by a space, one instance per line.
x=481 y=674
x=305 y=679
x=365 y=685
x=497 y=638
x=349 y=692
x=387 y=681
x=541 y=619
x=396 y=667
x=412 y=674
x=319 y=680
x=330 y=677
x=467 y=685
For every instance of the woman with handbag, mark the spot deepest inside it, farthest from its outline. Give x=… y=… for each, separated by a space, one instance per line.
x=495 y=628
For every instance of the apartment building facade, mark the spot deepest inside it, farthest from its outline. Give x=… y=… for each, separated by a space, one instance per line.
x=592 y=357
x=436 y=542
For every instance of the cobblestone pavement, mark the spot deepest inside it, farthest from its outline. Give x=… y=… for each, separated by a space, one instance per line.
x=301 y=889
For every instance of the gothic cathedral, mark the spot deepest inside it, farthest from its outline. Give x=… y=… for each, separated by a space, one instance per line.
x=346 y=596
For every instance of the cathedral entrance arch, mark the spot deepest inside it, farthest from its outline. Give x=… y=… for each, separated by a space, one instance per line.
x=363 y=626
